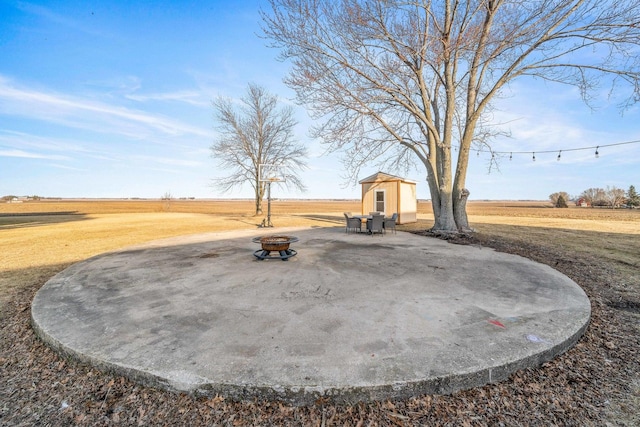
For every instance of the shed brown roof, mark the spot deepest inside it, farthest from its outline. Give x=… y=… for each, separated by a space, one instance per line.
x=384 y=177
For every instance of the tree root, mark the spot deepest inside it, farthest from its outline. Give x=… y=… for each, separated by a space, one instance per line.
x=447 y=235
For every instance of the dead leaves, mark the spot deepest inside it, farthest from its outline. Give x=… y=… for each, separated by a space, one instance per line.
x=215 y=401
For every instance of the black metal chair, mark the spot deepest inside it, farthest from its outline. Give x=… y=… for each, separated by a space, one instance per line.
x=390 y=223
x=375 y=224
x=352 y=223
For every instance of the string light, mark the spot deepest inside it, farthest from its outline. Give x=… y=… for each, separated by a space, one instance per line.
x=533 y=153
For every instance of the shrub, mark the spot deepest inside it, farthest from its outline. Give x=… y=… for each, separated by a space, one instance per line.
x=561 y=202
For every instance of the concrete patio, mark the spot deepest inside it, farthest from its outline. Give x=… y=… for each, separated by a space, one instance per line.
x=351 y=317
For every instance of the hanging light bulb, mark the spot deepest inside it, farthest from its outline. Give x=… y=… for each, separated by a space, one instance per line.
x=597 y=154
x=534 y=156
x=510 y=156
x=559 y=155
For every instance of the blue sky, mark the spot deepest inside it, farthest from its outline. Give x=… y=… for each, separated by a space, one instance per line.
x=113 y=99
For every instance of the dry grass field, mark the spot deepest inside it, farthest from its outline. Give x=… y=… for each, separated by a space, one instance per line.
x=595 y=383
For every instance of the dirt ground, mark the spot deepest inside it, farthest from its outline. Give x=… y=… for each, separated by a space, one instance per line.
x=595 y=383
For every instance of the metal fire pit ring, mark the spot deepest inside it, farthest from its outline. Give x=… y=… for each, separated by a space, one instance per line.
x=279 y=244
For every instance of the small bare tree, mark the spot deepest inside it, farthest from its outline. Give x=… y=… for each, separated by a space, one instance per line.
x=414 y=80
x=166 y=198
x=257 y=132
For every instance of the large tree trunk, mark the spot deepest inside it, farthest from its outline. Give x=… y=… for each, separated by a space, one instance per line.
x=450 y=212
x=460 y=211
x=441 y=201
x=443 y=210
x=460 y=193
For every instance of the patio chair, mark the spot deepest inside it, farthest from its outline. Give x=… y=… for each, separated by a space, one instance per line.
x=352 y=223
x=375 y=224
x=390 y=223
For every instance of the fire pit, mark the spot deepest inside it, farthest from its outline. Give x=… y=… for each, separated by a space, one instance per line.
x=278 y=244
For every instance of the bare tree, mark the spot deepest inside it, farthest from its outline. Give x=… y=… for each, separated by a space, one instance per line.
x=414 y=80
x=593 y=196
x=614 y=196
x=166 y=198
x=257 y=132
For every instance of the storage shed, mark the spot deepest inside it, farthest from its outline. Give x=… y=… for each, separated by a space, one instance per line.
x=382 y=192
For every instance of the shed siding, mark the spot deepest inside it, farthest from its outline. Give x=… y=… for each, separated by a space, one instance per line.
x=369 y=196
x=408 y=211
x=400 y=197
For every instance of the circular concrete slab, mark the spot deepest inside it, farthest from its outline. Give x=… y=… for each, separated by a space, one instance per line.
x=351 y=317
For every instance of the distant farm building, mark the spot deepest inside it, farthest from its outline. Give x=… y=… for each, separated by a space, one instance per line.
x=582 y=203
x=382 y=192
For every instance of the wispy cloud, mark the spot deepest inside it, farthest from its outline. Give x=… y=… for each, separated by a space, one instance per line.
x=26 y=145
x=116 y=85
x=82 y=113
x=64 y=167
x=23 y=140
x=540 y=118
x=168 y=161
x=30 y=155
x=187 y=96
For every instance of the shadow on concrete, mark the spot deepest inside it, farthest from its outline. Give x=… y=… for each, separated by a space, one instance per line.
x=332 y=219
